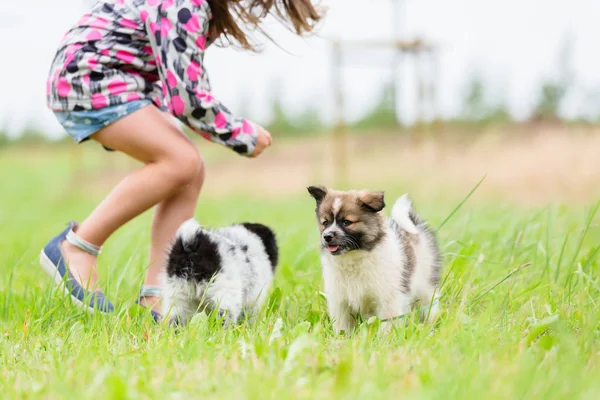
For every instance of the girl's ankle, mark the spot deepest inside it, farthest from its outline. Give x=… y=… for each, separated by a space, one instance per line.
x=70 y=249
x=150 y=302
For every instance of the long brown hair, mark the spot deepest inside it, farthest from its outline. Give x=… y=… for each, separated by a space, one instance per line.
x=234 y=19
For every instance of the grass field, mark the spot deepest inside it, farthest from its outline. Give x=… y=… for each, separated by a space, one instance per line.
x=520 y=303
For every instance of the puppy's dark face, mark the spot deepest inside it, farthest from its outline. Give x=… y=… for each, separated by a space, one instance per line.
x=348 y=220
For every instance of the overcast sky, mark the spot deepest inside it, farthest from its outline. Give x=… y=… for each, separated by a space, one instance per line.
x=513 y=44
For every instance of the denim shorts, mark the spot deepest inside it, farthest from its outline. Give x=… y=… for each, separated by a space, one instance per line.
x=80 y=125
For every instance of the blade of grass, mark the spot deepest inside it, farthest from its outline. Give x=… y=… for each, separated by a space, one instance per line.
x=590 y=218
x=560 y=258
x=9 y=291
x=460 y=204
x=546 y=271
x=511 y=273
x=590 y=258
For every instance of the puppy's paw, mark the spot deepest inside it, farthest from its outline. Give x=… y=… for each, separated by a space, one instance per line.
x=227 y=318
x=176 y=324
x=431 y=313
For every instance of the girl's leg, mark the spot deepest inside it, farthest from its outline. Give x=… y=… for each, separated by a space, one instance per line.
x=172 y=163
x=168 y=217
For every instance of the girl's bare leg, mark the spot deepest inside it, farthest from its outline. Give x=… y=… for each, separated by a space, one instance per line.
x=169 y=215
x=172 y=164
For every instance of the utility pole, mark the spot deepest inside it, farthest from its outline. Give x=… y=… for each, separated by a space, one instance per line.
x=339 y=138
x=396 y=30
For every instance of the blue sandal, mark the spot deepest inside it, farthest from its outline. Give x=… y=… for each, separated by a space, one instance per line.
x=52 y=262
x=153 y=291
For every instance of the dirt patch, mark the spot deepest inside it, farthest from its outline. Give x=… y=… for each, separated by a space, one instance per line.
x=553 y=165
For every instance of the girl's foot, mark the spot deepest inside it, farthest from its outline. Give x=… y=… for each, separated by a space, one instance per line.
x=150 y=302
x=53 y=262
x=150 y=298
x=82 y=265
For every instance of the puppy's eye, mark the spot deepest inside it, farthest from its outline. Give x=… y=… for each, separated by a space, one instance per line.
x=325 y=223
x=347 y=223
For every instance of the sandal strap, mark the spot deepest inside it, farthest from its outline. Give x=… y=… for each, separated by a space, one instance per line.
x=83 y=244
x=151 y=291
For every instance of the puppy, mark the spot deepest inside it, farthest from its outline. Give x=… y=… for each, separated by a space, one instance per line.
x=227 y=270
x=374 y=266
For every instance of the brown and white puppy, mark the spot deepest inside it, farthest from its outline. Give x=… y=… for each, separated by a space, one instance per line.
x=372 y=265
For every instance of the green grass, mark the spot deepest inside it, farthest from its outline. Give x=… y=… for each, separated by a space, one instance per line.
x=520 y=309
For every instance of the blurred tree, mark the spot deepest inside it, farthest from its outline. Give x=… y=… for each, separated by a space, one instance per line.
x=554 y=91
x=3 y=138
x=279 y=121
x=383 y=114
x=307 y=121
x=549 y=102
x=31 y=135
x=477 y=109
x=499 y=114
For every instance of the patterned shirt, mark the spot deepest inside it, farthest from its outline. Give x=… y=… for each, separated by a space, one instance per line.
x=127 y=50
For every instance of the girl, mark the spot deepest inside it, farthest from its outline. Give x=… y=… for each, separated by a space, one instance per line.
x=110 y=81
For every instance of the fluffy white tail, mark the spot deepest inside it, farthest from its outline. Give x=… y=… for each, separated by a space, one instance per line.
x=401 y=214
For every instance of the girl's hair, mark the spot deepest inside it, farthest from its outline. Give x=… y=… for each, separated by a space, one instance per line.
x=233 y=18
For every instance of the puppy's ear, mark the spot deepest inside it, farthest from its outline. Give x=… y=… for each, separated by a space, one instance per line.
x=372 y=201
x=317 y=192
x=188 y=231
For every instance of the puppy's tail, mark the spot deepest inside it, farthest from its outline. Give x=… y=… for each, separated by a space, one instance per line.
x=188 y=230
x=403 y=215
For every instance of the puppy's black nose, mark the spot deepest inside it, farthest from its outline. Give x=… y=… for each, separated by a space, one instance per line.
x=328 y=238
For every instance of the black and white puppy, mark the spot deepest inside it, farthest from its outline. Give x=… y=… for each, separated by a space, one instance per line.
x=227 y=270
x=372 y=265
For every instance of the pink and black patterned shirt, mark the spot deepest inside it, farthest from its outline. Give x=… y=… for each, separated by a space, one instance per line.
x=127 y=50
